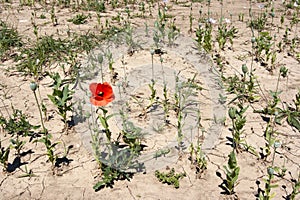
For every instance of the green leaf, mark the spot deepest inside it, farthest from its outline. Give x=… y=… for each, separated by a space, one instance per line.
x=99 y=185
x=53 y=99
x=103 y=122
x=293 y=121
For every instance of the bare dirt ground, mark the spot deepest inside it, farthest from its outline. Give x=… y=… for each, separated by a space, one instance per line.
x=74 y=178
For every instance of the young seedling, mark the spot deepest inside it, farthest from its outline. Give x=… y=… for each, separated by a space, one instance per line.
x=28 y=173
x=204 y=37
x=113 y=74
x=238 y=123
x=266 y=194
x=184 y=91
x=232 y=173
x=198 y=159
x=10 y=38
x=173 y=33
x=243 y=87
x=225 y=35
x=50 y=147
x=61 y=97
x=4 y=154
x=79 y=19
x=152 y=98
x=17 y=126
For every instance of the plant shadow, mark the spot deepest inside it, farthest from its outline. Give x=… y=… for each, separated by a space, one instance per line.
x=11 y=167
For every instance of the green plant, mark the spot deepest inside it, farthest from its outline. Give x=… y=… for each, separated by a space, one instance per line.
x=264 y=43
x=61 y=97
x=198 y=158
x=53 y=16
x=204 y=37
x=266 y=194
x=173 y=33
x=171 y=178
x=79 y=19
x=17 y=124
x=232 y=173
x=184 y=93
x=238 y=123
x=132 y=135
x=9 y=38
x=44 y=52
x=225 y=34
x=50 y=147
x=161 y=152
x=4 y=154
x=296 y=189
x=109 y=176
x=152 y=98
x=98 y=6
x=292 y=115
x=259 y=23
x=28 y=173
x=104 y=122
x=243 y=87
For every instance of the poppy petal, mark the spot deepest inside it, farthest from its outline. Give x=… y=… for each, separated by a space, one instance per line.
x=95 y=102
x=93 y=88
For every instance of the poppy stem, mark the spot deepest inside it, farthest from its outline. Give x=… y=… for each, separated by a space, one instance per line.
x=101 y=73
x=40 y=111
x=152 y=54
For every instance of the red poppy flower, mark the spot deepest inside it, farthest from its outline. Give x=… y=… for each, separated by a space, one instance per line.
x=102 y=94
